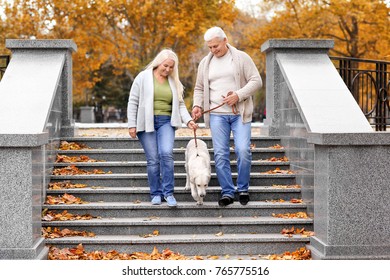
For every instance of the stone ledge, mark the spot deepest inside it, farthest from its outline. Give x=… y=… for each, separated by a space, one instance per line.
x=23 y=140
x=41 y=44
x=297 y=44
x=324 y=251
x=347 y=139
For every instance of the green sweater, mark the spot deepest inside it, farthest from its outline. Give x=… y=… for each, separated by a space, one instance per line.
x=162 y=98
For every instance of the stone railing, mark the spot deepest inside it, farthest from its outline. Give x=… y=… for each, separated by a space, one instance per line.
x=36 y=94
x=341 y=163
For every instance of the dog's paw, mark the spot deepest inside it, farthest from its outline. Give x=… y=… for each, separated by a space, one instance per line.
x=199 y=203
x=187 y=188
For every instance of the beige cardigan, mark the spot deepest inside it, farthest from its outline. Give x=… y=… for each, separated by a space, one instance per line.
x=247 y=79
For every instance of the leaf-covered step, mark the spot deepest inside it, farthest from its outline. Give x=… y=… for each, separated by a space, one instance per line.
x=180 y=142
x=178 y=154
x=189 y=244
x=140 y=179
x=179 y=166
x=133 y=194
x=187 y=225
x=184 y=209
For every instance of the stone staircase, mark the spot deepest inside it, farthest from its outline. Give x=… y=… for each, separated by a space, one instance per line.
x=126 y=220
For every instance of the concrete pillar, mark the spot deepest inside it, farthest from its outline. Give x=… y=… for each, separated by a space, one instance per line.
x=35 y=112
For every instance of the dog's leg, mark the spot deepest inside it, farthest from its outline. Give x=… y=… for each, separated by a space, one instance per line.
x=194 y=192
x=188 y=184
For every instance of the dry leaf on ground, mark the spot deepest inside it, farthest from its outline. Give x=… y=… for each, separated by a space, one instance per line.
x=63 y=216
x=50 y=232
x=298 y=215
x=69 y=159
x=72 y=146
x=64 y=199
x=277 y=170
x=79 y=253
x=73 y=170
x=282 y=159
x=300 y=254
x=153 y=234
x=277 y=146
x=65 y=185
x=287 y=186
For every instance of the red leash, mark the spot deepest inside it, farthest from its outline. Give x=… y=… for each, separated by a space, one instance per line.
x=234 y=110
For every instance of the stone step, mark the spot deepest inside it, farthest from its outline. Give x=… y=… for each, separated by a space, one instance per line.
x=180 y=142
x=140 y=166
x=182 y=225
x=184 y=209
x=124 y=216
x=178 y=154
x=131 y=194
x=140 y=179
x=189 y=244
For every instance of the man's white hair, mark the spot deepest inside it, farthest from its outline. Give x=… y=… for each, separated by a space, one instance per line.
x=214 y=32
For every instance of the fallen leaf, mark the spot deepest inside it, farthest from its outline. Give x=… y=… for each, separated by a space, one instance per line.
x=274 y=159
x=296 y=200
x=287 y=186
x=64 y=216
x=68 y=159
x=64 y=199
x=65 y=185
x=49 y=232
x=298 y=215
x=277 y=170
x=72 y=146
x=73 y=170
x=155 y=233
x=277 y=146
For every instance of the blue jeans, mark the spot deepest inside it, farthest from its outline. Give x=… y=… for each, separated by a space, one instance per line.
x=221 y=126
x=158 y=147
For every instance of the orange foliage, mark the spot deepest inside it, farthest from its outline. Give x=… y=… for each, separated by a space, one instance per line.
x=79 y=253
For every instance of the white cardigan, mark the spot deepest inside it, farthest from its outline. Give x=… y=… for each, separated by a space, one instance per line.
x=140 y=112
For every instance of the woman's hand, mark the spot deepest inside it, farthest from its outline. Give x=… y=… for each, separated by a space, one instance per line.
x=133 y=132
x=191 y=124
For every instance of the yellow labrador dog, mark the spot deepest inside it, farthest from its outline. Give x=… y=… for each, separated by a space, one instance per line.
x=197 y=164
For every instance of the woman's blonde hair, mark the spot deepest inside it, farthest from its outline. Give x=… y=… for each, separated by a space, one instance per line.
x=162 y=56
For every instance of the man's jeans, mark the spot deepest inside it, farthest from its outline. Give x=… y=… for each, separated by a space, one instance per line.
x=158 y=147
x=221 y=127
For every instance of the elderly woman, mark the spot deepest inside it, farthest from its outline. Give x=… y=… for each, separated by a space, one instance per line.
x=155 y=110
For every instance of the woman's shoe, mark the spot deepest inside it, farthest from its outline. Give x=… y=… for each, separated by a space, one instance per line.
x=171 y=201
x=156 y=200
x=225 y=201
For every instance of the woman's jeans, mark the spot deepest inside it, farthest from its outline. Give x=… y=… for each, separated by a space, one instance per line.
x=158 y=147
x=221 y=126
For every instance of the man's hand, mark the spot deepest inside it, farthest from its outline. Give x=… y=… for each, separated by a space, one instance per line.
x=196 y=113
x=231 y=98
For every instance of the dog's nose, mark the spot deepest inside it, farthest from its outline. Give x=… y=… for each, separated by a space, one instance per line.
x=202 y=195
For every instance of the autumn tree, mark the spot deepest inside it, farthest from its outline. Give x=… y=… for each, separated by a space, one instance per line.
x=117 y=37
x=360 y=28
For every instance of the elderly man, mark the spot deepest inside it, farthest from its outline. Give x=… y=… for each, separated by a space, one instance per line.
x=227 y=76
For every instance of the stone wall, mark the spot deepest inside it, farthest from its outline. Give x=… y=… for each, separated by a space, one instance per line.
x=339 y=160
